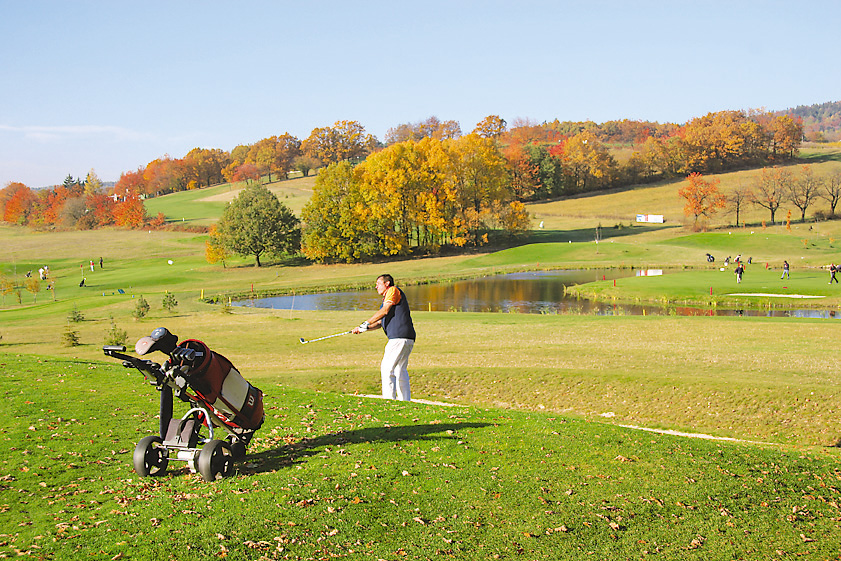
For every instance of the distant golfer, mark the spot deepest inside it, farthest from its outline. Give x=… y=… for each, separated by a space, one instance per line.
x=786 y=268
x=739 y=270
x=396 y=320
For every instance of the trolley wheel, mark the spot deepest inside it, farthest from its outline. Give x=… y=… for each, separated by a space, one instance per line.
x=150 y=458
x=215 y=460
x=237 y=449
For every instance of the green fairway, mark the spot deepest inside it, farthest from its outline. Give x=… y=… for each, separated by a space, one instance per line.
x=203 y=207
x=535 y=459
x=358 y=478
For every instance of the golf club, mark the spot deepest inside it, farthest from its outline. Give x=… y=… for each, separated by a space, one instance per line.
x=304 y=341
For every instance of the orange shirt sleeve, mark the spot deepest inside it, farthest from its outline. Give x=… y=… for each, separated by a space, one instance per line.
x=392 y=296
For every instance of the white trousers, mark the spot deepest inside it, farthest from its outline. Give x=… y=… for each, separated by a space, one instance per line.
x=394 y=369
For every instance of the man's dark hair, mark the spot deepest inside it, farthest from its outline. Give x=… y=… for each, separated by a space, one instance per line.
x=387 y=278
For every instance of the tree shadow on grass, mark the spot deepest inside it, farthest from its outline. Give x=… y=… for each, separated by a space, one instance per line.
x=291 y=454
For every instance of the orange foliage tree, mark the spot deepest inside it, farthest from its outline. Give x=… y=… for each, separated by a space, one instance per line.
x=702 y=197
x=131 y=213
x=19 y=202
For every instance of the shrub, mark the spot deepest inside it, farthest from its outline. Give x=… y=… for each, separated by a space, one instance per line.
x=114 y=335
x=70 y=337
x=75 y=315
x=141 y=308
x=169 y=302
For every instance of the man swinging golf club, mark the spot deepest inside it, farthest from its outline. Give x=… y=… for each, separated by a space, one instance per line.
x=396 y=320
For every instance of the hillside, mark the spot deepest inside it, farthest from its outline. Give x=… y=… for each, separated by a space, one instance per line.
x=821 y=121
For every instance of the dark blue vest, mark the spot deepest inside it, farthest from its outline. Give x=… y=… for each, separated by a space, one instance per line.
x=397 y=324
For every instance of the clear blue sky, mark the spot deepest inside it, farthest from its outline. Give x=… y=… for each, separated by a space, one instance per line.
x=111 y=85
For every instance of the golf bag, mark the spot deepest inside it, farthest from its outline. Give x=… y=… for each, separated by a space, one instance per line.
x=221 y=387
x=219 y=399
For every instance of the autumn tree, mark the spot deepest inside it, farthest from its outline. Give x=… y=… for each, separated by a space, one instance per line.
x=804 y=190
x=238 y=157
x=702 y=197
x=73 y=212
x=771 y=190
x=19 y=200
x=130 y=213
x=33 y=286
x=162 y=176
x=831 y=191
x=492 y=126
x=132 y=182
x=343 y=141
x=245 y=172
x=786 y=134
x=203 y=166
x=737 y=199
x=305 y=164
x=432 y=127
x=411 y=195
x=93 y=184
x=257 y=223
x=274 y=155
x=588 y=165
x=52 y=202
x=100 y=209
x=214 y=247
x=339 y=225
x=525 y=173
x=477 y=176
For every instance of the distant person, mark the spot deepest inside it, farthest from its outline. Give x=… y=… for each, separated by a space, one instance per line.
x=710 y=258
x=81 y=284
x=739 y=270
x=100 y=263
x=832 y=270
x=786 y=269
x=727 y=261
x=396 y=320
x=91 y=265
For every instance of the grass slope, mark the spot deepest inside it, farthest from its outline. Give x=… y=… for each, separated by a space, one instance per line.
x=333 y=476
x=205 y=206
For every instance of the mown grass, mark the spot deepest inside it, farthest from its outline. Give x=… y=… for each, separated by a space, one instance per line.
x=334 y=476
x=536 y=464
x=204 y=206
x=723 y=376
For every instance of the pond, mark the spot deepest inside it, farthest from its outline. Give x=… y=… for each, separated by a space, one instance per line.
x=538 y=292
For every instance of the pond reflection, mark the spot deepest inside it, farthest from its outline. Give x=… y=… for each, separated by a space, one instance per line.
x=538 y=292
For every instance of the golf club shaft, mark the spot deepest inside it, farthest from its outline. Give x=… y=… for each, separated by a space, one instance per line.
x=304 y=341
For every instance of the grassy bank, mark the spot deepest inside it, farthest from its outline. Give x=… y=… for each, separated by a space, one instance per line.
x=724 y=376
x=534 y=461
x=334 y=476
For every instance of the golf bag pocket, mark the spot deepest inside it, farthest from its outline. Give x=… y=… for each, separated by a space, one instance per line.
x=222 y=387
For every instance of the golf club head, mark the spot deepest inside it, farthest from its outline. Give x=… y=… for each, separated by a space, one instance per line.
x=303 y=340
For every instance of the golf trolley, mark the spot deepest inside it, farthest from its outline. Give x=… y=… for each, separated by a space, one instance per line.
x=220 y=400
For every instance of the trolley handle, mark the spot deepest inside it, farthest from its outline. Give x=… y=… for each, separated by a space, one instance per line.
x=118 y=352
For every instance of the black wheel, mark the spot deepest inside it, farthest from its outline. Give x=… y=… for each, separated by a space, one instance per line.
x=215 y=460
x=150 y=458
x=237 y=449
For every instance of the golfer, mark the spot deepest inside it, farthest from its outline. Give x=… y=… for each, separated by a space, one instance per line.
x=396 y=320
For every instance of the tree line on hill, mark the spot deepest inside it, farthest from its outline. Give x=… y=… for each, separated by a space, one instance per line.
x=821 y=121
x=538 y=161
